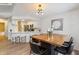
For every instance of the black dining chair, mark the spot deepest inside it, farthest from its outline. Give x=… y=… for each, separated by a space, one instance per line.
x=67 y=43
x=36 y=48
x=66 y=48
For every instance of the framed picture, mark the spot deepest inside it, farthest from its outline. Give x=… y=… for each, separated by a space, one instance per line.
x=57 y=24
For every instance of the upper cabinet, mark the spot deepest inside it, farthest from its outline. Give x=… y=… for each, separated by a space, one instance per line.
x=27 y=25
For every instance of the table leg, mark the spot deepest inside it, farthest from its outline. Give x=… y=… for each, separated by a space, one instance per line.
x=53 y=52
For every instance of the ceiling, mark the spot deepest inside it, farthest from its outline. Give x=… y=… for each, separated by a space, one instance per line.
x=6 y=10
x=28 y=9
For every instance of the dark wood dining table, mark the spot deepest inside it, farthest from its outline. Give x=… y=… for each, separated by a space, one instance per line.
x=55 y=40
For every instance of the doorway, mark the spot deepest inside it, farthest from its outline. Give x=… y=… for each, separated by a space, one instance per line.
x=2 y=30
x=2 y=27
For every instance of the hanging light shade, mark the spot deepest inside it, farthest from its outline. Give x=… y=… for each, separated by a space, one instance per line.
x=40 y=9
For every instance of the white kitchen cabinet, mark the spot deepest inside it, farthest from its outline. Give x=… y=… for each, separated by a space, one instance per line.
x=22 y=35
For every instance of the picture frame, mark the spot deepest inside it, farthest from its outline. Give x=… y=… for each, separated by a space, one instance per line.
x=57 y=24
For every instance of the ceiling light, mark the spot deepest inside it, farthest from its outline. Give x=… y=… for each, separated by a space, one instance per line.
x=40 y=9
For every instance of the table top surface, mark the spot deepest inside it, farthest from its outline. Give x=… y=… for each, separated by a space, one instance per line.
x=55 y=39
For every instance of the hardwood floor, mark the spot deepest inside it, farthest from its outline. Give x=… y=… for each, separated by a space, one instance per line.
x=8 y=48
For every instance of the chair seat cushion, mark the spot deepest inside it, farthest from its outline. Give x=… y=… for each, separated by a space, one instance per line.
x=66 y=44
x=61 y=50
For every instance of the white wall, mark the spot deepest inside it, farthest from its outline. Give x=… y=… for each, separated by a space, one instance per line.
x=70 y=24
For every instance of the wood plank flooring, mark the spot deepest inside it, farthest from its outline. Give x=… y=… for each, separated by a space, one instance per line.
x=8 y=48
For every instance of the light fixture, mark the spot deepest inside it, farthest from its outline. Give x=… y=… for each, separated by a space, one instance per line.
x=39 y=9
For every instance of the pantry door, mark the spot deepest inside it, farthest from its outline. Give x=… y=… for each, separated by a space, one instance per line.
x=2 y=27
x=2 y=31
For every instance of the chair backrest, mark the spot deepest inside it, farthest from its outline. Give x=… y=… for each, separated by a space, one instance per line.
x=34 y=48
x=71 y=41
x=70 y=47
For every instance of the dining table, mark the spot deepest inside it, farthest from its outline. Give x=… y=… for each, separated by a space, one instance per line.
x=55 y=40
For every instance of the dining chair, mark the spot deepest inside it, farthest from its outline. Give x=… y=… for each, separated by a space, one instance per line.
x=67 y=43
x=37 y=49
x=66 y=48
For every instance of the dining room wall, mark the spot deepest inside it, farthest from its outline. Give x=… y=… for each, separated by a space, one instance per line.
x=70 y=24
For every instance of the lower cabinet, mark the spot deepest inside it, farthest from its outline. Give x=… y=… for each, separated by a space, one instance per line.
x=21 y=37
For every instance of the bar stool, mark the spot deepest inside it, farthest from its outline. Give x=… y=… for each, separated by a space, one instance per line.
x=17 y=39
x=23 y=39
